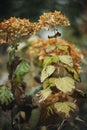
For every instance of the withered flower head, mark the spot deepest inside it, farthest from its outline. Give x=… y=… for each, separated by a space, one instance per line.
x=13 y=29
x=52 y=19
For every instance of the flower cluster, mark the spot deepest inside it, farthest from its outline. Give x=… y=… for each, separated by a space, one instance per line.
x=52 y=19
x=13 y=29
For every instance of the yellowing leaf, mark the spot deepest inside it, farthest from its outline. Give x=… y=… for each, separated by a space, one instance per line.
x=50 y=48
x=50 y=60
x=65 y=84
x=62 y=47
x=73 y=72
x=42 y=95
x=46 y=72
x=50 y=82
x=66 y=59
x=66 y=110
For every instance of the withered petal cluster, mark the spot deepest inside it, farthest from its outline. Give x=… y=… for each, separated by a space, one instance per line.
x=13 y=29
x=52 y=19
x=39 y=48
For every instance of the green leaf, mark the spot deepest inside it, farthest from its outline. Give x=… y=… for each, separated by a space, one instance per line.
x=65 y=84
x=6 y=95
x=50 y=48
x=46 y=72
x=22 y=68
x=50 y=60
x=48 y=83
x=66 y=59
x=62 y=47
x=73 y=71
x=66 y=110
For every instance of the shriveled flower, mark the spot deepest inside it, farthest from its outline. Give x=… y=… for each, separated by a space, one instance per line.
x=54 y=97
x=52 y=19
x=14 y=29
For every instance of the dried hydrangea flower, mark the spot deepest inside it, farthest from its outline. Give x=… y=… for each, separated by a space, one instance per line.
x=13 y=29
x=52 y=19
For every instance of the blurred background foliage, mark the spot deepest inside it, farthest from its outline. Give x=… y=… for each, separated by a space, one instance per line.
x=75 y=10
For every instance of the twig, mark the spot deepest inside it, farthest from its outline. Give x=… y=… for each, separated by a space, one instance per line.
x=61 y=125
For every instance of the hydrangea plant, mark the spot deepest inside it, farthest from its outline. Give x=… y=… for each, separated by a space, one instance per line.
x=59 y=70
